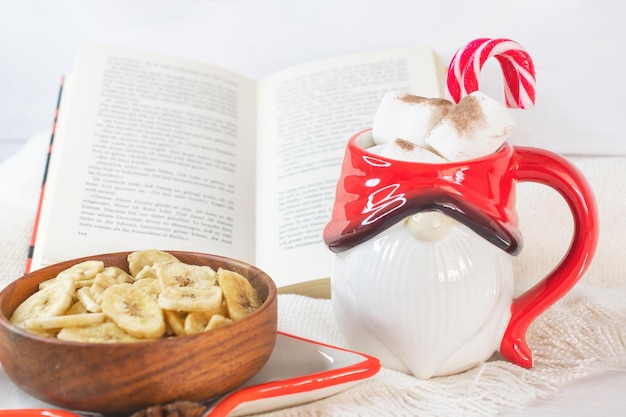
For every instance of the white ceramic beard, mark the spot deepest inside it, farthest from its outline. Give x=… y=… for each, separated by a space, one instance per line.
x=430 y=305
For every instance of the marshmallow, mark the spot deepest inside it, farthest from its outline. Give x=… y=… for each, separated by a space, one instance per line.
x=376 y=149
x=475 y=127
x=407 y=116
x=405 y=150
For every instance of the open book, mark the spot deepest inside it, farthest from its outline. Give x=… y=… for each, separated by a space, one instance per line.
x=159 y=152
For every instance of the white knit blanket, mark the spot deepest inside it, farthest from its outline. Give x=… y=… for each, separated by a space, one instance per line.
x=584 y=333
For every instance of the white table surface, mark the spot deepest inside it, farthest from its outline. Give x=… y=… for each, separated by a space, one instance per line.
x=577 y=47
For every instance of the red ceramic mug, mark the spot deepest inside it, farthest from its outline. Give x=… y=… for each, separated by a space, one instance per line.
x=375 y=195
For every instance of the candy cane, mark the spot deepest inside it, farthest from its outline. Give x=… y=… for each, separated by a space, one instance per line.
x=517 y=67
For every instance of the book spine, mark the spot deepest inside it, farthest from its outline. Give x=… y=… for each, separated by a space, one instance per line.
x=31 y=247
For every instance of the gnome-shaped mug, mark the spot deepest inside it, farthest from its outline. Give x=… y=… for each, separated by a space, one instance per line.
x=423 y=276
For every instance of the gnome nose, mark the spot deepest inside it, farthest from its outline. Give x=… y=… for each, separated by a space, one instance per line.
x=428 y=226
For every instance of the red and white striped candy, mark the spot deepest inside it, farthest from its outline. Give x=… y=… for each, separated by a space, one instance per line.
x=517 y=67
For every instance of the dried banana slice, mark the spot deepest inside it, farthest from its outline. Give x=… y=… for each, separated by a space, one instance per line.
x=222 y=309
x=77 y=308
x=81 y=283
x=78 y=283
x=118 y=274
x=59 y=322
x=180 y=275
x=187 y=287
x=185 y=299
x=175 y=321
x=196 y=322
x=81 y=271
x=84 y=296
x=241 y=297
x=55 y=299
x=146 y=272
x=138 y=260
x=110 y=275
x=150 y=286
x=217 y=321
x=107 y=332
x=133 y=311
x=47 y=283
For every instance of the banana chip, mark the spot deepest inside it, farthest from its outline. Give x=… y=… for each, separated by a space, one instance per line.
x=175 y=321
x=161 y=297
x=188 y=287
x=77 y=308
x=67 y=320
x=217 y=321
x=134 y=311
x=104 y=279
x=54 y=300
x=186 y=299
x=241 y=297
x=150 y=286
x=84 y=297
x=83 y=283
x=146 y=272
x=138 y=260
x=176 y=275
x=195 y=322
x=82 y=271
x=107 y=332
x=47 y=283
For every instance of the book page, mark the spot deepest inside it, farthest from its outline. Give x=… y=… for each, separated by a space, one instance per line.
x=306 y=116
x=150 y=152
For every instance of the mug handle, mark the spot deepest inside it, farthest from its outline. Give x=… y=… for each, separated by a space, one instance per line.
x=545 y=167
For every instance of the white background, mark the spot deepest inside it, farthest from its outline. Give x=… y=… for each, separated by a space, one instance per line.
x=577 y=46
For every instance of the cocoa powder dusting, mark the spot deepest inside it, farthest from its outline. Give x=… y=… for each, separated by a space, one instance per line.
x=405 y=145
x=467 y=116
x=441 y=104
x=410 y=98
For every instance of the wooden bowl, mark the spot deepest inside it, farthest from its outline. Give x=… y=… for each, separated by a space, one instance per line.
x=121 y=378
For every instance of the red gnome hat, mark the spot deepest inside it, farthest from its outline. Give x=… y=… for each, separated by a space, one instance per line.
x=374 y=193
